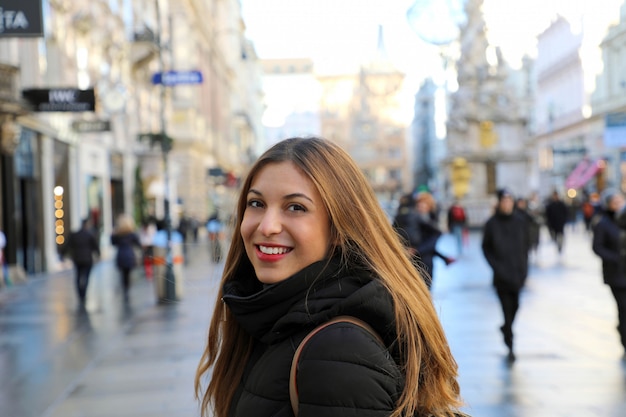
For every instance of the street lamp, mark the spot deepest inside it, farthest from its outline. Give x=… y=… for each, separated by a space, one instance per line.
x=165 y=142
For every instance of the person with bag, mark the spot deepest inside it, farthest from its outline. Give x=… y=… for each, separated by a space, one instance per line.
x=311 y=244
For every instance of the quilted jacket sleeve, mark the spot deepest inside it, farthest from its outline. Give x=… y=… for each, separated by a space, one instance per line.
x=344 y=371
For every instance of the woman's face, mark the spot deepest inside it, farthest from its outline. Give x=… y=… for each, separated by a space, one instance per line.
x=285 y=226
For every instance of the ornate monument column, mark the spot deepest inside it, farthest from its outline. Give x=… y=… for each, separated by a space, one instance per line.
x=486 y=131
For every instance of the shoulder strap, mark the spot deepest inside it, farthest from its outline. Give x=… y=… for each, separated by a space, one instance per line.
x=293 y=389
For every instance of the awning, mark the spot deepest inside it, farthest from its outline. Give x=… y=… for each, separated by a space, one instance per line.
x=584 y=171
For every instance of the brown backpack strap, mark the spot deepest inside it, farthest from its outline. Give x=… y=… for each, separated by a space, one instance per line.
x=293 y=389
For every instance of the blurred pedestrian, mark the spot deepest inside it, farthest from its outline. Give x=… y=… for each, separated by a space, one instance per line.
x=305 y=250
x=184 y=226
x=574 y=212
x=127 y=241
x=406 y=227
x=457 y=224
x=429 y=234
x=556 y=218
x=588 y=212
x=505 y=246
x=82 y=245
x=146 y=237
x=609 y=245
x=214 y=228
x=404 y=221
x=194 y=225
x=533 y=225
x=4 y=269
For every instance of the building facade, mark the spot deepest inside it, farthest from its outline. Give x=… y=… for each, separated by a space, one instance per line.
x=608 y=103
x=563 y=134
x=292 y=100
x=428 y=149
x=578 y=74
x=62 y=164
x=362 y=113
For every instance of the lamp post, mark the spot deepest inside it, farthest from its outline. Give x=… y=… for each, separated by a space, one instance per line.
x=166 y=146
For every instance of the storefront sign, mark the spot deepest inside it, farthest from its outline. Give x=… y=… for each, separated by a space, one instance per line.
x=584 y=171
x=20 y=18
x=61 y=99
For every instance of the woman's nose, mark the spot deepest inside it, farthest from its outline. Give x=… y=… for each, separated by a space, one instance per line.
x=270 y=223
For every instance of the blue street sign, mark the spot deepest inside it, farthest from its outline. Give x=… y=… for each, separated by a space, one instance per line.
x=170 y=78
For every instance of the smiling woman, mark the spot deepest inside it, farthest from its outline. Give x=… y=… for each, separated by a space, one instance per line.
x=312 y=244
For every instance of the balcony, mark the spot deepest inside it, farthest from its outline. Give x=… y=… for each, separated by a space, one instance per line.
x=10 y=102
x=144 y=47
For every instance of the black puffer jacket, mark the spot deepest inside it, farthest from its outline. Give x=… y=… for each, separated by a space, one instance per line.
x=82 y=245
x=505 y=246
x=343 y=371
x=608 y=244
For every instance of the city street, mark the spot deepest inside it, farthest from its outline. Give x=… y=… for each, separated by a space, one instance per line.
x=140 y=359
x=569 y=358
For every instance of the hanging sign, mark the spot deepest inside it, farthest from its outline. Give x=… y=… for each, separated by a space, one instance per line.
x=88 y=126
x=20 y=18
x=60 y=99
x=177 y=77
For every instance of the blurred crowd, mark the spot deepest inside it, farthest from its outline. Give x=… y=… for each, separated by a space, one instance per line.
x=511 y=238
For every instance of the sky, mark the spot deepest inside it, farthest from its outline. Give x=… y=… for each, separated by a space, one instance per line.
x=340 y=35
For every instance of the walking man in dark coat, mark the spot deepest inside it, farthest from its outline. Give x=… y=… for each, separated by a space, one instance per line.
x=82 y=245
x=505 y=246
x=609 y=245
x=556 y=218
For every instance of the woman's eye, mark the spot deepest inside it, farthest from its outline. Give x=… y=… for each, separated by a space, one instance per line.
x=296 y=207
x=254 y=203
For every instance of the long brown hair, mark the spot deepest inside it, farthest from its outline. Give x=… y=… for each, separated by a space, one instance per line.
x=360 y=232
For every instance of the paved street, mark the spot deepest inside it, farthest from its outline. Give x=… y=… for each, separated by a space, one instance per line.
x=567 y=346
x=139 y=360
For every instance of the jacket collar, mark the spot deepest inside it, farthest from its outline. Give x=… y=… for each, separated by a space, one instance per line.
x=312 y=296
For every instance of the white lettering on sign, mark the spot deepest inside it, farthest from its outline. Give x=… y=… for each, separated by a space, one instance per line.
x=11 y=19
x=62 y=96
x=181 y=78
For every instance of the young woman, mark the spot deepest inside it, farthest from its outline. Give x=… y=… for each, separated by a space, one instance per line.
x=311 y=243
